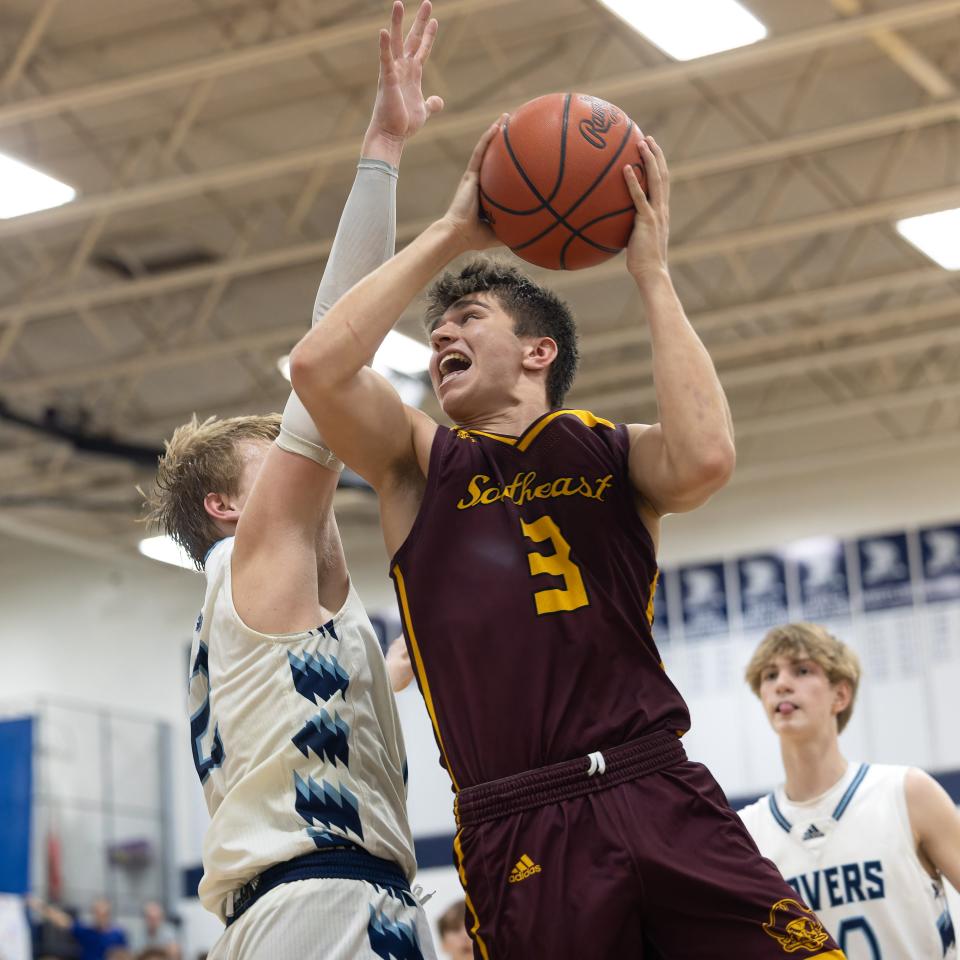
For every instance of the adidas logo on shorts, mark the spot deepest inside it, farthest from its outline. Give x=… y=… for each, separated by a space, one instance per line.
x=524 y=868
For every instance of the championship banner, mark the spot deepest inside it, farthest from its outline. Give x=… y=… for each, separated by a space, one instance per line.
x=822 y=574
x=703 y=598
x=940 y=558
x=763 y=591
x=885 y=580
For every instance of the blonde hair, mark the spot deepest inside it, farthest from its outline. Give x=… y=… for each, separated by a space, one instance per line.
x=201 y=458
x=808 y=641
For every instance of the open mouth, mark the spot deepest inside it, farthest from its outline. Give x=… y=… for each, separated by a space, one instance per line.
x=452 y=365
x=785 y=708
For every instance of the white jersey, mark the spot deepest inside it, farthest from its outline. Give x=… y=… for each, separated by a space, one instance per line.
x=851 y=856
x=296 y=740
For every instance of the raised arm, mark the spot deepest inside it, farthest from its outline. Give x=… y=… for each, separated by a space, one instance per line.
x=288 y=558
x=49 y=912
x=357 y=410
x=935 y=821
x=677 y=463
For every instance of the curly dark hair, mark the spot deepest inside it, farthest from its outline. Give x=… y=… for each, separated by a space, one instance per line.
x=536 y=312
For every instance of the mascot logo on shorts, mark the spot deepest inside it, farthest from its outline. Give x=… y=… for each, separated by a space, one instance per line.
x=793 y=932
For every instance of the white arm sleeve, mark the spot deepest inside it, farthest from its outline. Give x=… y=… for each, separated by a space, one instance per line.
x=365 y=238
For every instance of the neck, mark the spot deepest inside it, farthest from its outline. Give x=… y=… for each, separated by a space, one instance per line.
x=511 y=420
x=812 y=766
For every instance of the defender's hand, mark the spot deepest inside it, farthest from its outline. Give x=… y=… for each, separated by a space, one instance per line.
x=463 y=215
x=400 y=109
x=647 y=248
x=399 y=668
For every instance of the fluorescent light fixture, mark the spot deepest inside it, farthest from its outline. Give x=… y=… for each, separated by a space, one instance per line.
x=403 y=354
x=26 y=190
x=687 y=29
x=935 y=234
x=166 y=551
x=410 y=388
x=398 y=353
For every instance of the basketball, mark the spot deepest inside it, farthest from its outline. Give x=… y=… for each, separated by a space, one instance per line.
x=551 y=183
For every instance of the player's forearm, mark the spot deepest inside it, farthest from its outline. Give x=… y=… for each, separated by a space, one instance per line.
x=693 y=410
x=367 y=230
x=365 y=239
x=344 y=339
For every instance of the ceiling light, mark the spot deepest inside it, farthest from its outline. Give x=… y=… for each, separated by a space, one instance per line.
x=166 y=551
x=398 y=353
x=25 y=190
x=403 y=354
x=935 y=234
x=687 y=29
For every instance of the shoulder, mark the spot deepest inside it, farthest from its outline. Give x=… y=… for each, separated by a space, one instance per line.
x=753 y=813
x=922 y=792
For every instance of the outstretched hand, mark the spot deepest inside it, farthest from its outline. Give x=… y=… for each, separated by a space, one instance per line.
x=400 y=109
x=647 y=248
x=463 y=213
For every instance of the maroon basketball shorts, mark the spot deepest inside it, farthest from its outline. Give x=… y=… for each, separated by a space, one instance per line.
x=634 y=854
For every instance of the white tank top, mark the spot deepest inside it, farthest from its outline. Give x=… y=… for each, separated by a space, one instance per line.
x=851 y=856
x=296 y=740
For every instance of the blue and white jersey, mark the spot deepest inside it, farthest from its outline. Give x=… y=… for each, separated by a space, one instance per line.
x=852 y=857
x=296 y=740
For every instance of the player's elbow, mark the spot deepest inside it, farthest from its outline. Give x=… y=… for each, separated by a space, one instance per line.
x=717 y=463
x=309 y=368
x=706 y=473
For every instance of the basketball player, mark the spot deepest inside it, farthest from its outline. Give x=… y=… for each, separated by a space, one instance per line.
x=866 y=845
x=524 y=560
x=295 y=733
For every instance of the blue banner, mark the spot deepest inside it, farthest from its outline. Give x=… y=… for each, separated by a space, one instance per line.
x=16 y=794
x=885 y=580
x=703 y=596
x=940 y=554
x=822 y=572
x=763 y=590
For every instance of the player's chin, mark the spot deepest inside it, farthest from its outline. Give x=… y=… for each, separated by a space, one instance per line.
x=454 y=398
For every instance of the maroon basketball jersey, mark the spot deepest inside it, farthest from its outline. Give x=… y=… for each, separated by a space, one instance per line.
x=526 y=593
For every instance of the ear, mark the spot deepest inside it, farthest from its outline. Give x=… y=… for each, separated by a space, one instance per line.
x=222 y=507
x=538 y=353
x=842 y=695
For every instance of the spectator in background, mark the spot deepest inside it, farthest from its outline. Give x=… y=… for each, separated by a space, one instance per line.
x=95 y=940
x=159 y=933
x=452 y=927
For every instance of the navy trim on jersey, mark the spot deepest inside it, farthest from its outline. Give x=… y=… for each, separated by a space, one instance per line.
x=778 y=815
x=850 y=791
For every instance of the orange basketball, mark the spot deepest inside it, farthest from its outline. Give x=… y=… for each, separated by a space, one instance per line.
x=552 y=185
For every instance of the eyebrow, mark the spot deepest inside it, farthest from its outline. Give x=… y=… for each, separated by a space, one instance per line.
x=460 y=304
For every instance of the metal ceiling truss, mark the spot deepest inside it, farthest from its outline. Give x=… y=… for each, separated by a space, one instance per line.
x=869 y=359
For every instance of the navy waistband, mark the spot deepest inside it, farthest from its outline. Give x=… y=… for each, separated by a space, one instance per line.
x=335 y=863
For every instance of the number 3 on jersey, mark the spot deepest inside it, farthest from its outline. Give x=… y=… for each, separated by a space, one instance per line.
x=557 y=564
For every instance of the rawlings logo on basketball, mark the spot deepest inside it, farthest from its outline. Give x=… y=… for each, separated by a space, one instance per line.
x=804 y=932
x=602 y=118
